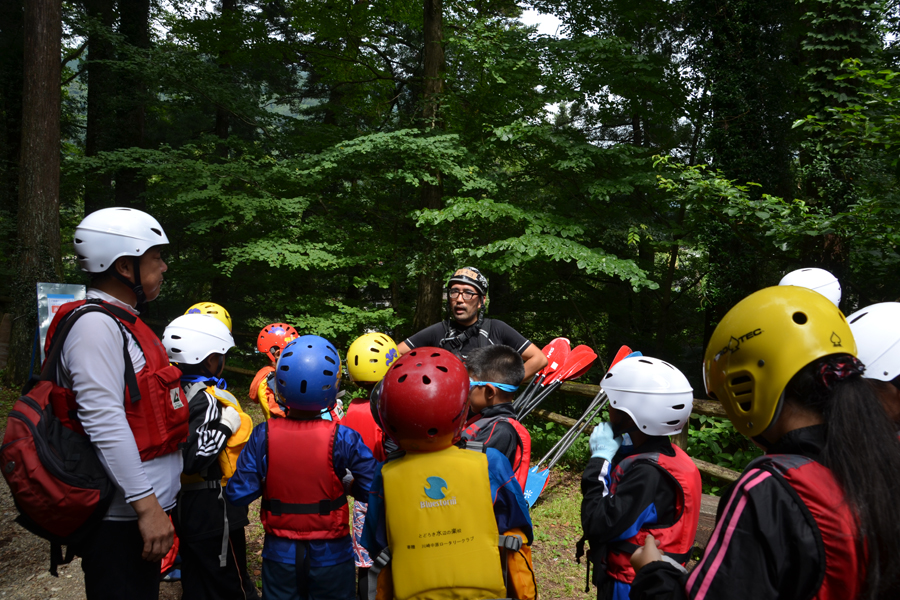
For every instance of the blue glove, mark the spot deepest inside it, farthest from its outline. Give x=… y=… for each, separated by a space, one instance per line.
x=603 y=444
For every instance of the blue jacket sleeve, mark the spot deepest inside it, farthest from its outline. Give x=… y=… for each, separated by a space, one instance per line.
x=510 y=507
x=245 y=485
x=352 y=454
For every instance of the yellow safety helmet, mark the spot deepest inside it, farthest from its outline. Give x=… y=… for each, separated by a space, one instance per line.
x=212 y=309
x=762 y=343
x=370 y=357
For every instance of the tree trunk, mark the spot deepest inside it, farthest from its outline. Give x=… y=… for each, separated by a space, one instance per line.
x=11 y=69
x=98 y=191
x=428 y=299
x=38 y=256
x=134 y=25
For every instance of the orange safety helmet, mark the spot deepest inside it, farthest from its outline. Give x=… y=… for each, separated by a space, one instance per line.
x=275 y=336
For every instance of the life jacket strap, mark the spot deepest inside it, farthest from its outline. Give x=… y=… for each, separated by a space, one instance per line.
x=378 y=563
x=322 y=507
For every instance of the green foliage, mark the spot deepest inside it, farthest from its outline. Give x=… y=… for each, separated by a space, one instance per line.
x=716 y=441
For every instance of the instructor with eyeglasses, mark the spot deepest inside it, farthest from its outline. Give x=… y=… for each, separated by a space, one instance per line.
x=467 y=328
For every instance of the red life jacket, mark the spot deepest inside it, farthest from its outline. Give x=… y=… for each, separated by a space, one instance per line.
x=481 y=430
x=155 y=405
x=817 y=488
x=303 y=498
x=359 y=419
x=676 y=539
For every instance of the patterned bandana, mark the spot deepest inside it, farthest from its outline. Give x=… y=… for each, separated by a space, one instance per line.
x=836 y=370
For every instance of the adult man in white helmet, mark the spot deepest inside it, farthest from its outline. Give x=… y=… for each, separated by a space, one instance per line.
x=129 y=401
x=467 y=328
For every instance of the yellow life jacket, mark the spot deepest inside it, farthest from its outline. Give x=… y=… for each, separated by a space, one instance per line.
x=229 y=454
x=441 y=529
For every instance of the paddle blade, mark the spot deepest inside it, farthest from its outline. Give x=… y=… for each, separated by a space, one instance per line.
x=535 y=484
x=556 y=352
x=623 y=352
x=578 y=361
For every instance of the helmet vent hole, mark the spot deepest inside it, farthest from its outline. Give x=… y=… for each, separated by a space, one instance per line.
x=401 y=379
x=326 y=387
x=675 y=422
x=327 y=373
x=309 y=346
x=646 y=362
x=379 y=342
x=668 y=365
x=426 y=380
x=176 y=350
x=356 y=361
x=858 y=318
x=284 y=367
x=176 y=337
x=156 y=231
x=800 y=318
x=281 y=381
x=712 y=395
x=77 y=241
x=287 y=354
x=394 y=429
x=432 y=432
x=745 y=406
x=608 y=375
x=373 y=361
x=329 y=359
x=434 y=355
x=303 y=387
x=677 y=407
x=442 y=369
x=740 y=380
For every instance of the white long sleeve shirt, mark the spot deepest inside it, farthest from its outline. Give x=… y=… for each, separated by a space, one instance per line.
x=93 y=366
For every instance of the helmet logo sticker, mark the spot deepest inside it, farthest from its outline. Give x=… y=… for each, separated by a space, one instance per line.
x=391 y=357
x=734 y=344
x=435 y=488
x=836 y=339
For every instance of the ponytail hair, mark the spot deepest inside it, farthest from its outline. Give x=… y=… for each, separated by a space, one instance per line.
x=862 y=450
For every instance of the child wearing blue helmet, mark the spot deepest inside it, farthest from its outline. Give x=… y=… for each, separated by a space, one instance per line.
x=303 y=466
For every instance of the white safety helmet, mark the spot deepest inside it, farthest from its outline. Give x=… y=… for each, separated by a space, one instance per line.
x=818 y=280
x=656 y=395
x=876 y=330
x=106 y=234
x=189 y=339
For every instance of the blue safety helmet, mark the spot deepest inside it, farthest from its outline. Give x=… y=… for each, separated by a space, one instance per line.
x=308 y=374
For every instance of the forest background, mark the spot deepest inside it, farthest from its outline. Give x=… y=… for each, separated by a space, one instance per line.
x=328 y=163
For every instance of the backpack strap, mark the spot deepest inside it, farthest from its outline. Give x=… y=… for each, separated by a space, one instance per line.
x=54 y=356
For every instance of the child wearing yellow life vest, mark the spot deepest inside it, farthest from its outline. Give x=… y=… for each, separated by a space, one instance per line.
x=299 y=465
x=210 y=529
x=436 y=513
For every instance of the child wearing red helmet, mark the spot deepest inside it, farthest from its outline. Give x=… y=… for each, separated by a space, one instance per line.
x=436 y=512
x=271 y=341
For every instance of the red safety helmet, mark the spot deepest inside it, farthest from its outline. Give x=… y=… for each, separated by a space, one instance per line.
x=424 y=400
x=275 y=335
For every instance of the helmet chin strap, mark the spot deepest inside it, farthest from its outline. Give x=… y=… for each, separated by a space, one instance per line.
x=135 y=285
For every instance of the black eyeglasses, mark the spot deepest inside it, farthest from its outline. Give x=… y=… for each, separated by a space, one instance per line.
x=466 y=294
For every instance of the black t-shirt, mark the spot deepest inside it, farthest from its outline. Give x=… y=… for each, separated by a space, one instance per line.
x=492 y=332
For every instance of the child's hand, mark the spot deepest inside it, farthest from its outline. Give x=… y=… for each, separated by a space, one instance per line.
x=603 y=444
x=646 y=554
